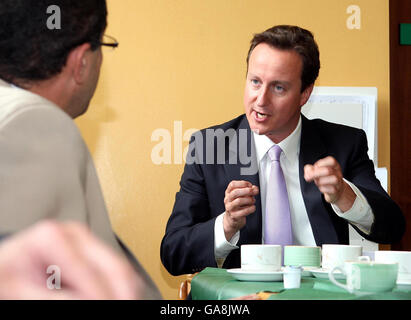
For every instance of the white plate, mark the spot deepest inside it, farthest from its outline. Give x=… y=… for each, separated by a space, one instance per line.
x=323 y=274
x=307 y=271
x=250 y=275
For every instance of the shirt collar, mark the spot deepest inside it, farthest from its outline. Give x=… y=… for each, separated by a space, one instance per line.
x=290 y=145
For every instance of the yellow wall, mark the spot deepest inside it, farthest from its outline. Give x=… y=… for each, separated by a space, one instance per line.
x=184 y=60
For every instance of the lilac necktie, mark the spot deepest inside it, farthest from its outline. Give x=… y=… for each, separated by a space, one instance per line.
x=277 y=226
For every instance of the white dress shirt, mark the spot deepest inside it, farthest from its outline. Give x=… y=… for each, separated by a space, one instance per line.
x=360 y=213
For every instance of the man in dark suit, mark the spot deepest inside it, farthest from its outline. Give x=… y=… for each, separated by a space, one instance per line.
x=330 y=181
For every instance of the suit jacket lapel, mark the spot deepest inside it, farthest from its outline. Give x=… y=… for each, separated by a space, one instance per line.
x=243 y=165
x=312 y=149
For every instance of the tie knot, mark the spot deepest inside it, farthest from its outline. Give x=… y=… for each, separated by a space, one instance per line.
x=274 y=153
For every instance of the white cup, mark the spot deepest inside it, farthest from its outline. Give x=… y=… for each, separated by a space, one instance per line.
x=334 y=255
x=403 y=258
x=261 y=257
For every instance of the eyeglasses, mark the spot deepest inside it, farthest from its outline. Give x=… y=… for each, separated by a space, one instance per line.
x=108 y=41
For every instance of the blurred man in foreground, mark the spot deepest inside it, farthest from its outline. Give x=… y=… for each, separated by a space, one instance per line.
x=50 y=61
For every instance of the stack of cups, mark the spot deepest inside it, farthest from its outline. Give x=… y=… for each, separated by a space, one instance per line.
x=302 y=256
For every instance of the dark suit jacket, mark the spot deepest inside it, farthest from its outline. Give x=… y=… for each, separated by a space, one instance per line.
x=188 y=244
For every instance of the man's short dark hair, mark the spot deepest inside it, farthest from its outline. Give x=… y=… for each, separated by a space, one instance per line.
x=286 y=37
x=30 y=51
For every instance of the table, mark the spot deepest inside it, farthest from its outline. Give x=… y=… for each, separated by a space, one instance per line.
x=218 y=284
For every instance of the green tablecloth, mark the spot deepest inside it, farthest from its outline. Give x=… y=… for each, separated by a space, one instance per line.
x=218 y=284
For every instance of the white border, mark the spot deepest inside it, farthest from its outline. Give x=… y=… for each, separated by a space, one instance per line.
x=366 y=97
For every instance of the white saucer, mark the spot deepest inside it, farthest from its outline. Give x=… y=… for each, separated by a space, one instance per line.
x=404 y=284
x=254 y=275
x=323 y=274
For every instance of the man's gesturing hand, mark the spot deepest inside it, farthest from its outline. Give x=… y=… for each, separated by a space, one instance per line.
x=327 y=175
x=239 y=203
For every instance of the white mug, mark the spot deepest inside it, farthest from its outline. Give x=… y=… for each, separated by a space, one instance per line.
x=403 y=258
x=261 y=257
x=334 y=255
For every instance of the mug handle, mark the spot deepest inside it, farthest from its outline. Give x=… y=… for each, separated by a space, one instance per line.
x=333 y=280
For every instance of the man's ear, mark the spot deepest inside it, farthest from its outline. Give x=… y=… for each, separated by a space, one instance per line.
x=78 y=63
x=306 y=94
